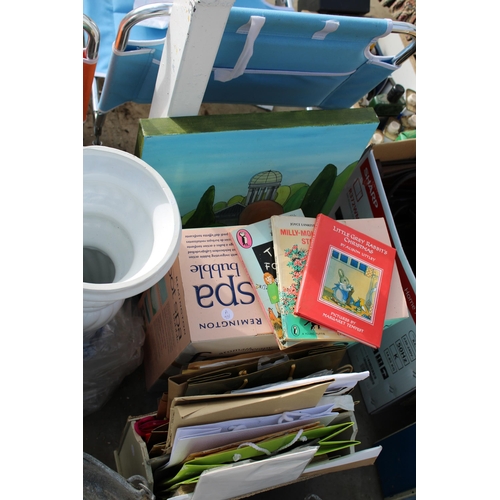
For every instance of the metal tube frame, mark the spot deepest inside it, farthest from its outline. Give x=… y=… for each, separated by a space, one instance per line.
x=159 y=9
x=127 y=23
x=408 y=30
x=93 y=38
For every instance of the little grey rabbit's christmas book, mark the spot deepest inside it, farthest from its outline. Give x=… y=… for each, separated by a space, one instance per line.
x=346 y=281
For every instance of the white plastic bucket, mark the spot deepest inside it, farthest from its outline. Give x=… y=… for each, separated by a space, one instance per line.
x=131 y=231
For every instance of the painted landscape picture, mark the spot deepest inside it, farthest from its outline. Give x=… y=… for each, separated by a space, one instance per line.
x=238 y=169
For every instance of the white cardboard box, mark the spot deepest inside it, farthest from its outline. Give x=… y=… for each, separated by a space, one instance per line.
x=393 y=366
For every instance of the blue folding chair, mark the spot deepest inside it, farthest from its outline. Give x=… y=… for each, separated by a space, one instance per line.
x=268 y=55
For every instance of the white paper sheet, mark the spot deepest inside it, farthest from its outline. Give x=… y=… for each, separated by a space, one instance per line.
x=345 y=382
x=342 y=402
x=197 y=438
x=286 y=385
x=224 y=483
x=341 y=383
x=352 y=458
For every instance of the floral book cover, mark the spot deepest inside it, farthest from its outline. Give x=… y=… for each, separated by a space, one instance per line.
x=346 y=281
x=291 y=239
x=254 y=244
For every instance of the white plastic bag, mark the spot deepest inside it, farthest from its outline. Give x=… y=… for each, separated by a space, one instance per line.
x=112 y=353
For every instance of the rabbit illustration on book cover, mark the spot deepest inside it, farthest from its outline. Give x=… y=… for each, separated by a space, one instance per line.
x=343 y=292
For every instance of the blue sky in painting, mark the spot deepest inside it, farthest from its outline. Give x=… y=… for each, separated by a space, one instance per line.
x=190 y=163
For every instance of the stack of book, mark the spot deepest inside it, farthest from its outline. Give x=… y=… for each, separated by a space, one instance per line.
x=321 y=279
x=313 y=286
x=284 y=280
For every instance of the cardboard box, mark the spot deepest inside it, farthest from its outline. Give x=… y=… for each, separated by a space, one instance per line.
x=219 y=168
x=393 y=366
x=132 y=457
x=205 y=305
x=364 y=196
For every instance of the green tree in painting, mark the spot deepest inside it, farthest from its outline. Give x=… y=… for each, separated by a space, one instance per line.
x=238 y=198
x=283 y=193
x=294 y=201
x=318 y=191
x=204 y=215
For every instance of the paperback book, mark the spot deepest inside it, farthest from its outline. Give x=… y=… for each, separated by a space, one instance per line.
x=346 y=281
x=254 y=244
x=291 y=238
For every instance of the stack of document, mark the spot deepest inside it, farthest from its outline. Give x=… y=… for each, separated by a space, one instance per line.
x=227 y=422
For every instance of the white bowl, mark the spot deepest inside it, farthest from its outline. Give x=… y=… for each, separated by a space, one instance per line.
x=131 y=231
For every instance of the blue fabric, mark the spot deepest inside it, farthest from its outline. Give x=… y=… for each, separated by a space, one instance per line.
x=355 y=86
x=273 y=90
x=131 y=77
x=107 y=14
x=285 y=43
